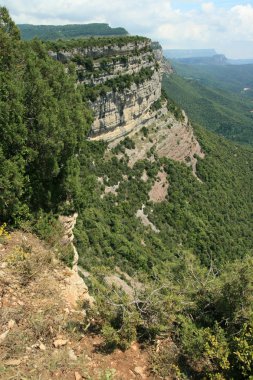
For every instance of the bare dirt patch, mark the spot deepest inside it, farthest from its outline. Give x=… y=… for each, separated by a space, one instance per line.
x=159 y=190
x=144 y=176
x=145 y=220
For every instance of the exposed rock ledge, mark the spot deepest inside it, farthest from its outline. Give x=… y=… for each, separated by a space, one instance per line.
x=116 y=114
x=167 y=137
x=75 y=290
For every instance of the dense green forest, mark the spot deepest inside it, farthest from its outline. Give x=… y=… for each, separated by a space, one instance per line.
x=43 y=120
x=54 y=32
x=225 y=112
x=195 y=274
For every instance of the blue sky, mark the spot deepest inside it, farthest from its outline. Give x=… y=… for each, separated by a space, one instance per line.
x=186 y=5
x=225 y=25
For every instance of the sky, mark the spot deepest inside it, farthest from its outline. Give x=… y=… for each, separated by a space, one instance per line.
x=226 y=26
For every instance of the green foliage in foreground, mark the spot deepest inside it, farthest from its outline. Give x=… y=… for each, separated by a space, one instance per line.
x=55 y=32
x=226 y=113
x=203 y=318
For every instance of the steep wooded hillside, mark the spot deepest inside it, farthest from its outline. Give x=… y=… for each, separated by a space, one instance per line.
x=163 y=226
x=228 y=77
x=228 y=113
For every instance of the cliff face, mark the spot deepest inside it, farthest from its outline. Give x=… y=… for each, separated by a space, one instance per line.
x=118 y=112
x=122 y=81
x=105 y=50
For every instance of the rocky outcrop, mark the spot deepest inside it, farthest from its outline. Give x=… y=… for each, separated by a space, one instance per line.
x=145 y=220
x=116 y=112
x=74 y=290
x=166 y=137
x=120 y=112
x=122 y=81
x=106 y=50
x=68 y=223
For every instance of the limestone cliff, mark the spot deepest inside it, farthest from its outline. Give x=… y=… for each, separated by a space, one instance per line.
x=116 y=113
x=121 y=82
x=121 y=112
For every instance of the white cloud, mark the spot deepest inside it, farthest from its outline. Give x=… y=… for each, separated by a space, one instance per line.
x=241 y=22
x=208 y=7
x=187 y=24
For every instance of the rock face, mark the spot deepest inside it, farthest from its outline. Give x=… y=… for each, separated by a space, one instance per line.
x=122 y=82
x=107 y=50
x=123 y=111
x=74 y=290
x=167 y=137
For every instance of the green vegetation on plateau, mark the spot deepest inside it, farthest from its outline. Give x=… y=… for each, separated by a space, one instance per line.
x=196 y=274
x=117 y=84
x=83 y=43
x=54 y=32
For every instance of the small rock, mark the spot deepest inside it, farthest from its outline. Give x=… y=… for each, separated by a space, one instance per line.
x=78 y=376
x=3 y=336
x=11 y=324
x=21 y=303
x=13 y=362
x=72 y=355
x=42 y=347
x=140 y=371
x=60 y=342
x=2 y=273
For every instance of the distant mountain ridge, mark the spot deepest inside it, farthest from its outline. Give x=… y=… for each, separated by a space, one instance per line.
x=189 y=53
x=54 y=32
x=240 y=61
x=217 y=59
